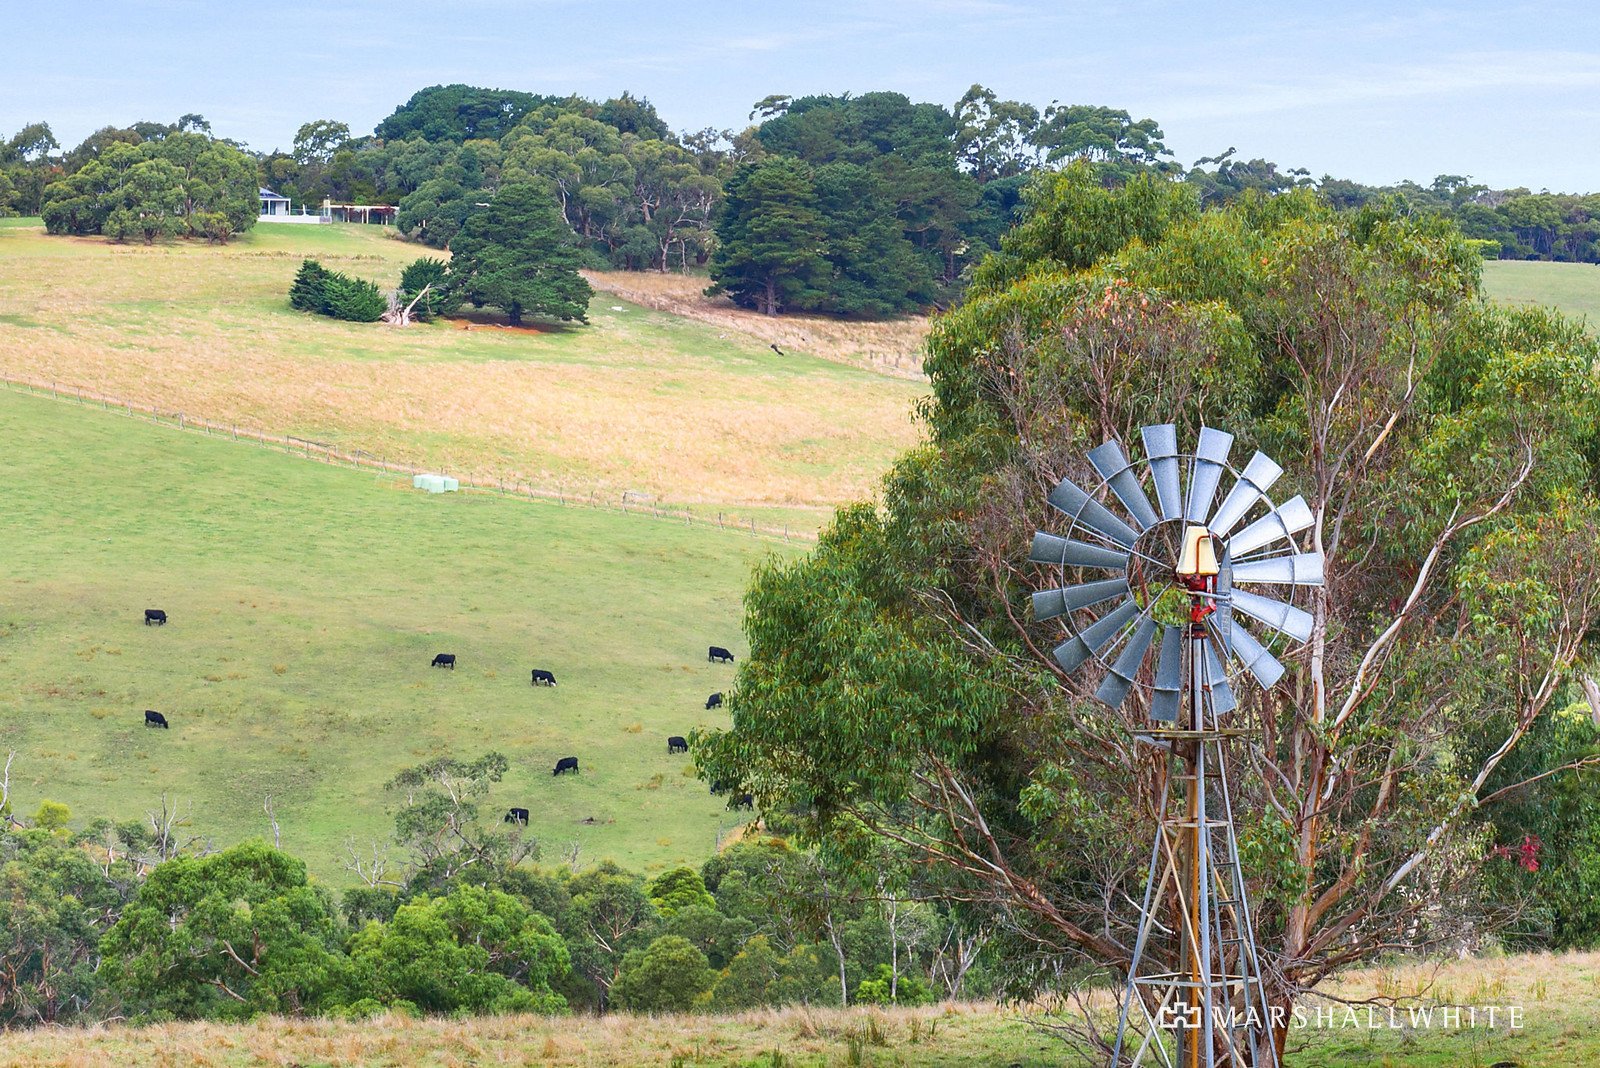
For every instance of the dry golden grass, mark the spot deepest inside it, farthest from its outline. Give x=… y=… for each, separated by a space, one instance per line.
x=893 y=347
x=954 y=1034
x=639 y=401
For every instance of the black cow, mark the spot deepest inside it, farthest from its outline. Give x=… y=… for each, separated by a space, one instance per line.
x=719 y=787
x=517 y=815
x=444 y=660
x=156 y=616
x=155 y=719
x=541 y=677
x=714 y=701
x=718 y=655
x=566 y=764
x=744 y=801
x=677 y=744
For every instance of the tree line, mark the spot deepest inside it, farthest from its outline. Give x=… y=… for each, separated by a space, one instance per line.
x=146 y=920
x=866 y=205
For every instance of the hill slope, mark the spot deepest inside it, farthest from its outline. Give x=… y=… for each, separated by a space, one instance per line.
x=640 y=400
x=306 y=602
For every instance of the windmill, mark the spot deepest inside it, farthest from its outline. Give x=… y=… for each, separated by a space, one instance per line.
x=1165 y=599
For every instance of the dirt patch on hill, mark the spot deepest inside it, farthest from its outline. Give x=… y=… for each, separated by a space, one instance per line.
x=893 y=346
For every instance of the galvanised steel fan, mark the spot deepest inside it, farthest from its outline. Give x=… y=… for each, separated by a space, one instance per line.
x=1122 y=575
x=1156 y=595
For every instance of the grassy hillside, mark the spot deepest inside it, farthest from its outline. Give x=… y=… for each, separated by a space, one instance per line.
x=1572 y=287
x=640 y=400
x=306 y=602
x=1555 y=994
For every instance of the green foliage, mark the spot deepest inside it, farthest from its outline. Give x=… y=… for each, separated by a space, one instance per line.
x=227 y=936
x=309 y=290
x=184 y=184
x=55 y=901
x=332 y=293
x=426 y=274
x=458 y=113
x=434 y=211
x=353 y=299
x=671 y=975
x=1074 y=221
x=518 y=255
x=473 y=950
x=885 y=988
x=677 y=889
x=52 y=817
x=770 y=237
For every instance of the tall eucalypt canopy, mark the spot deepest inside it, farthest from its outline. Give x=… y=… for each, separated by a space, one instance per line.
x=899 y=689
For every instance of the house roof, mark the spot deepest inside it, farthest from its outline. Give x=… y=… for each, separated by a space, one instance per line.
x=267 y=194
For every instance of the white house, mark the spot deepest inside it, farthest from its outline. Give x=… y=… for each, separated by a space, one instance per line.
x=279 y=209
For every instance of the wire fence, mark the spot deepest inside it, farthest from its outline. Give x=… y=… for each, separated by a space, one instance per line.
x=628 y=502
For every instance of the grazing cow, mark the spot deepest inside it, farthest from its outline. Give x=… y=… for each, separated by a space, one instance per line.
x=714 y=701
x=156 y=616
x=566 y=764
x=677 y=744
x=155 y=719
x=744 y=801
x=517 y=815
x=541 y=677
x=444 y=660
x=718 y=655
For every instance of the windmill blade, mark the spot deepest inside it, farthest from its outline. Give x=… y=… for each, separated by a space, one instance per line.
x=1257 y=660
x=1290 y=517
x=1050 y=549
x=1112 y=463
x=1169 y=676
x=1047 y=604
x=1282 y=617
x=1210 y=457
x=1071 y=654
x=1259 y=475
x=1072 y=501
x=1216 y=681
x=1119 y=680
x=1161 y=449
x=1296 y=569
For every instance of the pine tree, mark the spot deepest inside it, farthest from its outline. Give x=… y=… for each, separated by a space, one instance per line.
x=519 y=255
x=770 y=239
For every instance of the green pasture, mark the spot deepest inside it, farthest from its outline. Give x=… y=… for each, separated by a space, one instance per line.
x=306 y=602
x=638 y=400
x=1572 y=287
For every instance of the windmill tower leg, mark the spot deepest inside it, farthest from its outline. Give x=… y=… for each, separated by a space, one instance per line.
x=1194 y=996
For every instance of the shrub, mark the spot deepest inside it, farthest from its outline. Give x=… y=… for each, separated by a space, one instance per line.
x=670 y=976
x=317 y=289
x=420 y=274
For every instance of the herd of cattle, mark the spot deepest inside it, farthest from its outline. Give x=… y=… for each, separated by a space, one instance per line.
x=716 y=654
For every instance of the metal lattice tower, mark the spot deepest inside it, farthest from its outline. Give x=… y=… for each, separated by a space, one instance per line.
x=1195 y=996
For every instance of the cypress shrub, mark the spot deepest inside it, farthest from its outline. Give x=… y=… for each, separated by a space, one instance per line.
x=317 y=289
x=309 y=291
x=354 y=300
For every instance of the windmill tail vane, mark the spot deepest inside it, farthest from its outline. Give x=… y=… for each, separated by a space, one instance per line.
x=1165 y=599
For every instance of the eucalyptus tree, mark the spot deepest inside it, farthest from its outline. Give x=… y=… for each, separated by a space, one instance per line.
x=898 y=689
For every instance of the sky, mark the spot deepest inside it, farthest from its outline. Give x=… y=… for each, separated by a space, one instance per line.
x=1506 y=93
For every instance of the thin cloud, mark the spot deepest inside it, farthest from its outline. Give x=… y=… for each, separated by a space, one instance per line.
x=1463 y=74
